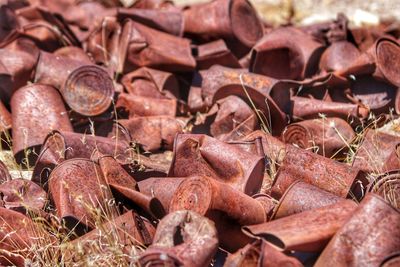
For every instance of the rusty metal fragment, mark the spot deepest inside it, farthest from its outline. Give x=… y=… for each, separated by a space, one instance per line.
x=326 y=136
x=215 y=53
x=205 y=156
x=205 y=195
x=125 y=188
x=235 y=21
x=36 y=110
x=22 y=195
x=306 y=231
x=153 y=133
x=374 y=151
x=136 y=105
x=327 y=174
x=338 y=56
x=391 y=261
x=183 y=238
x=74 y=53
x=19 y=235
x=301 y=197
x=286 y=53
x=141 y=46
x=151 y=83
x=370 y=244
x=161 y=188
x=80 y=193
x=166 y=20
x=260 y=254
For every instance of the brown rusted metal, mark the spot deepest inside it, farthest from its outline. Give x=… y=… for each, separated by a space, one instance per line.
x=166 y=20
x=36 y=110
x=74 y=53
x=387 y=186
x=19 y=235
x=88 y=90
x=233 y=118
x=286 y=53
x=306 y=231
x=219 y=82
x=5 y=122
x=206 y=156
x=103 y=41
x=204 y=195
x=393 y=160
x=368 y=245
x=151 y=83
x=16 y=68
x=327 y=174
x=236 y=21
x=153 y=133
x=155 y=4
x=146 y=106
x=338 y=56
x=22 y=195
x=54 y=70
x=9 y=18
x=128 y=230
x=182 y=238
x=47 y=29
x=260 y=254
x=381 y=61
x=268 y=203
x=161 y=188
x=59 y=146
x=374 y=151
x=79 y=192
x=124 y=188
x=308 y=108
x=326 y=136
x=141 y=46
x=215 y=53
x=301 y=197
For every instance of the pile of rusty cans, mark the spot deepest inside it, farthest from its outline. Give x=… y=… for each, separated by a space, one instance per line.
x=197 y=135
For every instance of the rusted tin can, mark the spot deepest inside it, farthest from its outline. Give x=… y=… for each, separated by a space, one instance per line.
x=234 y=20
x=306 y=231
x=153 y=133
x=301 y=197
x=391 y=261
x=308 y=108
x=16 y=68
x=205 y=195
x=161 y=188
x=74 y=53
x=338 y=56
x=260 y=253
x=127 y=230
x=165 y=20
x=124 y=188
x=140 y=46
x=36 y=110
x=326 y=136
x=151 y=83
x=88 y=90
x=146 y=106
x=381 y=60
x=205 y=156
x=22 y=195
x=327 y=174
x=182 y=238
x=286 y=53
x=19 y=235
x=215 y=53
x=368 y=245
x=268 y=203
x=374 y=151
x=59 y=146
x=80 y=193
